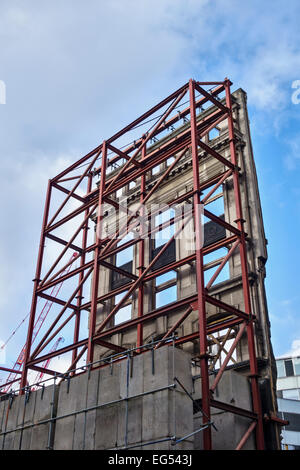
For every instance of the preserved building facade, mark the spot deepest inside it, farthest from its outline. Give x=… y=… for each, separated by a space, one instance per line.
x=180 y=283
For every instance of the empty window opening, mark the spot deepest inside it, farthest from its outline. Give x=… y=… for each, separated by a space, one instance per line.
x=164 y=216
x=223 y=275
x=214 y=133
x=218 y=191
x=126 y=255
x=220 y=350
x=124 y=313
x=215 y=205
x=170 y=161
x=166 y=289
x=215 y=255
x=132 y=185
x=167 y=277
x=166 y=296
x=119 y=193
x=163 y=236
x=156 y=170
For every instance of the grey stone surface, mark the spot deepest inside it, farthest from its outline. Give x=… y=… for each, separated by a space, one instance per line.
x=70 y=399
x=11 y=441
x=3 y=414
x=233 y=389
x=26 y=418
x=41 y=435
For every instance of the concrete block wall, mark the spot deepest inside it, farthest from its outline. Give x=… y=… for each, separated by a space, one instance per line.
x=233 y=389
x=155 y=412
x=22 y=412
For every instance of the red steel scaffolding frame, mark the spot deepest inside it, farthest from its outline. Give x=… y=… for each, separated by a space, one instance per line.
x=137 y=160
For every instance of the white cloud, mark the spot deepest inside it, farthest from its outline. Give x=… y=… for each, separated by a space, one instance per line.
x=75 y=75
x=292 y=159
x=294 y=351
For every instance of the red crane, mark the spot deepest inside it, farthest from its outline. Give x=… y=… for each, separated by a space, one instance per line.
x=46 y=363
x=38 y=324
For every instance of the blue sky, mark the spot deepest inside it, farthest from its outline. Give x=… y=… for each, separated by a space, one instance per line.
x=76 y=73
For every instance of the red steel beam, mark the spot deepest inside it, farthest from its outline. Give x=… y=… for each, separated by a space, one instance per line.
x=34 y=295
x=207 y=443
x=138 y=163
x=177 y=99
x=180 y=115
x=68 y=245
x=216 y=274
x=175 y=326
x=228 y=357
x=211 y=98
x=123 y=155
x=244 y=267
x=233 y=409
x=66 y=191
x=150 y=162
x=168 y=148
x=42 y=344
x=166 y=268
x=141 y=255
x=139 y=280
x=95 y=281
x=13 y=371
x=80 y=278
x=215 y=154
x=246 y=436
x=63 y=242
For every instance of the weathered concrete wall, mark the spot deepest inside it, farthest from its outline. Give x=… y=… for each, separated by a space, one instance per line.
x=233 y=389
x=154 y=410
x=22 y=412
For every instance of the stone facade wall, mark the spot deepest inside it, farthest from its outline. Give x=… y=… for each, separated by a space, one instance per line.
x=178 y=183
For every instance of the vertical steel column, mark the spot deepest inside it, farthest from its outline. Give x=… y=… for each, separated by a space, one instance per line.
x=200 y=275
x=245 y=279
x=81 y=274
x=94 y=292
x=36 y=284
x=141 y=248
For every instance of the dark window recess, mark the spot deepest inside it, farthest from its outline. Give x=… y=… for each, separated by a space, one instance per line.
x=168 y=256
x=267 y=405
x=294 y=421
x=118 y=280
x=213 y=232
x=289 y=369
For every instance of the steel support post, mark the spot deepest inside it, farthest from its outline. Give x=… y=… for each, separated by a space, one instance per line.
x=95 y=281
x=245 y=279
x=81 y=275
x=36 y=284
x=141 y=248
x=200 y=274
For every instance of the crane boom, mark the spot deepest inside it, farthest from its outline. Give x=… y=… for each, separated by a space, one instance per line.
x=46 y=363
x=39 y=322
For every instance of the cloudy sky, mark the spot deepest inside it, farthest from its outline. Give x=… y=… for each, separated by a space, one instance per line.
x=75 y=72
